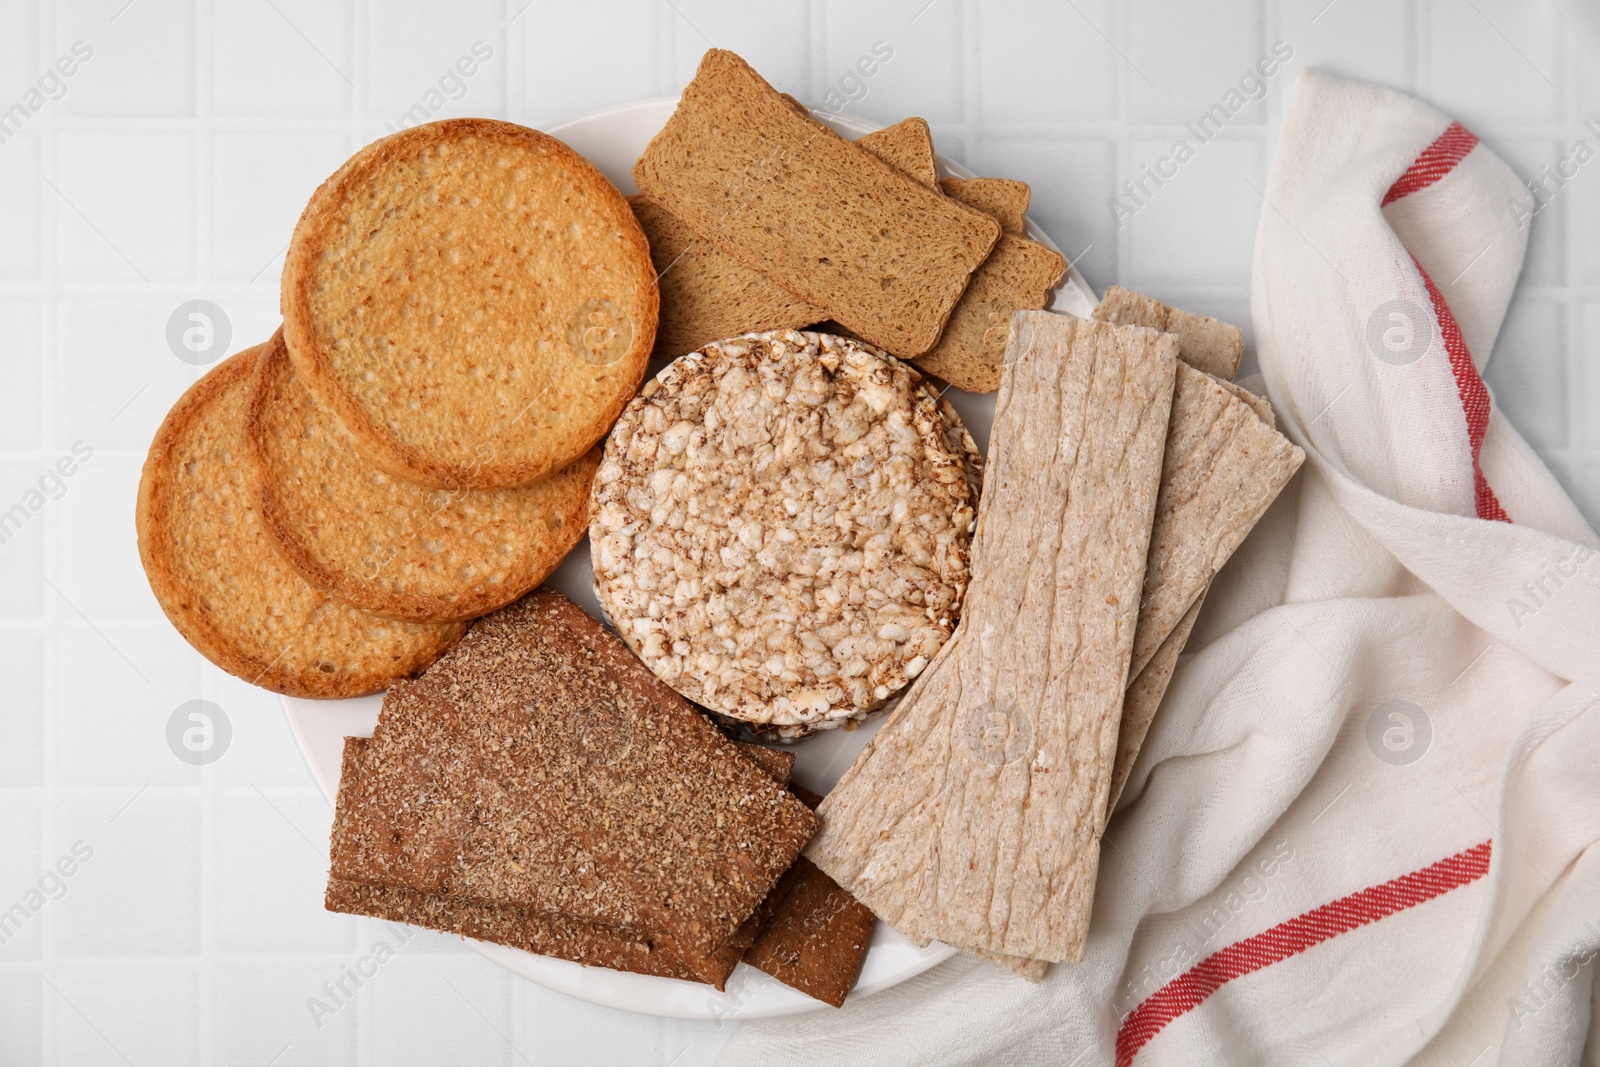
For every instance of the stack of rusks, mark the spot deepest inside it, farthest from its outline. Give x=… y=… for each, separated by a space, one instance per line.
x=790 y=531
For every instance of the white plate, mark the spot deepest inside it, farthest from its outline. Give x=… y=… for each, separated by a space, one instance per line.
x=613 y=139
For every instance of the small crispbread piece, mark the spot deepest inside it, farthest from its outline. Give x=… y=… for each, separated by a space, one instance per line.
x=707 y=295
x=829 y=222
x=219 y=577
x=1204 y=343
x=750 y=498
x=777 y=763
x=815 y=935
x=1004 y=198
x=542 y=765
x=389 y=545
x=1222 y=469
x=1017 y=276
x=473 y=300
x=907 y=146
x=974 y=815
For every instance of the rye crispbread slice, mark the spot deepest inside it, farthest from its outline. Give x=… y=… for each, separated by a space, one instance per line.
x=707 y=295
x=389 y=545
x=473 y=300
x=815 y=935
x=1203 y=342
x=542 y=932
x=542 y=765
x=974 y=816
x=1017 y=276
x=218 y=574
x=787 y=197
x=1004 y=198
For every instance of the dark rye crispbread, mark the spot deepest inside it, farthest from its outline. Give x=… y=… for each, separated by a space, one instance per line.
x=1004 y=198
x=1204 y=343
x=544 y=766
x=816 y=934
x=543 y=932
x=887 y=257
x=218 y=574
x=387 y=544
x=473 y=300
x=707 y=295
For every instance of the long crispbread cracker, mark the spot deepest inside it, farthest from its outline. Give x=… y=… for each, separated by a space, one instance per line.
x=974 y=816
x=386 y=544
x=887 y=257
x=223 y=583
x=1004 y=198
x=1017 y=276
x=707 y=295
x=1223 y=468
x=544 y=766
x=1203 y=342
x=1144 y=697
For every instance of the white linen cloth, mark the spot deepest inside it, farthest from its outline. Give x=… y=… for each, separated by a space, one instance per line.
x=1360 y=830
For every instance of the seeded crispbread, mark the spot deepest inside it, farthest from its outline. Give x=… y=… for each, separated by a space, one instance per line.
x=707 y=295
x=885 y=256
x=219 y=576
x=542 y=765
x=1203 y=342
x=1017 y=276
x=473 y=300
x=1004 y=198
x=974 y=815
x=390 y=545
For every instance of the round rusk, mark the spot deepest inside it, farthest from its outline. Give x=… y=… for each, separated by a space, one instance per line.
x=222 y=581
x=473 y=300
x=389 y=545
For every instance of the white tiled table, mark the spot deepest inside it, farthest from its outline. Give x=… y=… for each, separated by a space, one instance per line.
x=173 y=167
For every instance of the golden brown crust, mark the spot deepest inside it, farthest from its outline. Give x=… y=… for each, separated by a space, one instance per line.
x=452 y=348
x=215 y=573
x=389 y=545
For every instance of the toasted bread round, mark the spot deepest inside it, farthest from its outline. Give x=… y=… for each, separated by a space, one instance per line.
x=219 y=575
x=473 y=300
x=387 y=544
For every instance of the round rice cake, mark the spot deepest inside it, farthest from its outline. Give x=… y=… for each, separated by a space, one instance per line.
x=780 y=528
x=389 y=545
x=473 y=300
x=219 y=575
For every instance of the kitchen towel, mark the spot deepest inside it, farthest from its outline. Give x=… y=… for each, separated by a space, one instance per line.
x=1360 y=830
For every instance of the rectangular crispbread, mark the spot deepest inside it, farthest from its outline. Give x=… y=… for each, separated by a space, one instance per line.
x=1204 y=343
x=974 y=816
x=707 y=295
x=1017 y=276
x=887 y=257
x=1004 y=198
x=540 y=764
x=816 y=934
x=1222 y=469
